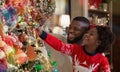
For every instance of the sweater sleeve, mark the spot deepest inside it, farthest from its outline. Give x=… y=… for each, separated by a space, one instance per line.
x=105 y=65
x=57 y=44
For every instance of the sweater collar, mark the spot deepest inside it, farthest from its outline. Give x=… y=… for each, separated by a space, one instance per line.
x=90 y=54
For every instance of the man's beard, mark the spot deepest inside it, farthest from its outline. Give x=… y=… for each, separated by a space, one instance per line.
x=76 y=40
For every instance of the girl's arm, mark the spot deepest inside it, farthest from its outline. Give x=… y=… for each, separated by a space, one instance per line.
x=57 y=44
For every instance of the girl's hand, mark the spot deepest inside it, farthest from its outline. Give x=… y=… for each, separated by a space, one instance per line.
x=40 y=30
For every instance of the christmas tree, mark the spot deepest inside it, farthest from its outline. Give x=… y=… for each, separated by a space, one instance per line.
x=21 y=48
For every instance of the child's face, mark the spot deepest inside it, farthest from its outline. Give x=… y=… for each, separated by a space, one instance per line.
x=91 y=38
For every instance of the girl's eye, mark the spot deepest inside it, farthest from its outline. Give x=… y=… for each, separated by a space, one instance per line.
x=69 y=27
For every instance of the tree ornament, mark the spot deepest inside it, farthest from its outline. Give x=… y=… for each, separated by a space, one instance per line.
x=31 y=53
x=20 y=56
x=54 y=63
x=49 y=54
x=38 y=67
x=55 y=70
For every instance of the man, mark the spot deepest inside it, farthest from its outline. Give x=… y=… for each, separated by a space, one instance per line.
x=77 y=28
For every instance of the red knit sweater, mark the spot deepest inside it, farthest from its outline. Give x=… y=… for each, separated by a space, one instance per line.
x=82 y=62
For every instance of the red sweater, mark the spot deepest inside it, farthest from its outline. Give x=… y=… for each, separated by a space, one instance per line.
x=82 y=61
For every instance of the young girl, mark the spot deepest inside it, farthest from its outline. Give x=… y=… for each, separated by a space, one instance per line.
x=87 y=57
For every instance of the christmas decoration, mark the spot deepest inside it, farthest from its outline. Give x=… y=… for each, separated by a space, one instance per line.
x=95 y=3
x=21 y=49
x=31 y=53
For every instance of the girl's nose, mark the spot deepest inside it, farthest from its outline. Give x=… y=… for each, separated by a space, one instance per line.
x=86 y=35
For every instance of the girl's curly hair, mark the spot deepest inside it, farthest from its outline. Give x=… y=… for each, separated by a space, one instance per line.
x=105 y=37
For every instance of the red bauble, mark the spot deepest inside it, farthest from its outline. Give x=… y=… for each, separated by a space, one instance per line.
x=95 y=2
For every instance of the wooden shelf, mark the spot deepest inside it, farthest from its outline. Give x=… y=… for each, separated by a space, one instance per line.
x=107 y=53
x=99 y=13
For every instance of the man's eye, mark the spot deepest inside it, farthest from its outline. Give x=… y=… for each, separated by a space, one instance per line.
x=92 y=34
x=69 y=28
x=76 y=29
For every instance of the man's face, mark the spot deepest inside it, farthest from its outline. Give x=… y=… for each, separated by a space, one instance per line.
x=75 y=32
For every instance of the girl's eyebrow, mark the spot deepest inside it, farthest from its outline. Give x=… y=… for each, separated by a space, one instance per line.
x=92 y=31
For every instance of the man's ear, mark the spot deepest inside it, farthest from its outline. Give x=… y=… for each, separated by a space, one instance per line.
x=99 y=42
